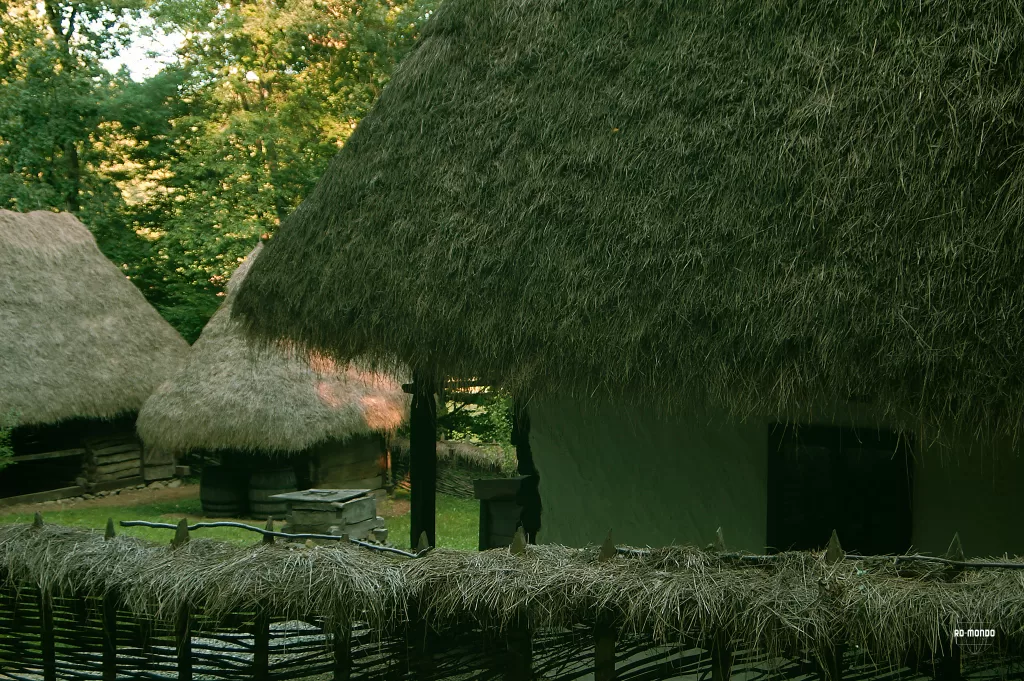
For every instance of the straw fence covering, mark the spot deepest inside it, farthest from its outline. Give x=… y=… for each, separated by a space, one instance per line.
x=231 y=394
x=752 y=204
x=672 y=595
x=77 y=339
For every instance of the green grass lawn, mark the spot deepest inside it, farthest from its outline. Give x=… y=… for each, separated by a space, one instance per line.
x=457 y=520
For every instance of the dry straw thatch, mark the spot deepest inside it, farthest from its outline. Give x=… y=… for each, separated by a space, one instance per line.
x=231 y=394
x=77 y=339
x=755 y=204
x=676 y=594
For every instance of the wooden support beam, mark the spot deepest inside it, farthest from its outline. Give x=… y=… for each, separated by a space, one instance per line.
x=39 y=497
x=423 y=461
x=62 y=454
x=47 y=638
x=528 y=496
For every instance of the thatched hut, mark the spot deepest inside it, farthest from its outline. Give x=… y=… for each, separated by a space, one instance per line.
x=263 y=407
x=678 y=228
x=80 y=350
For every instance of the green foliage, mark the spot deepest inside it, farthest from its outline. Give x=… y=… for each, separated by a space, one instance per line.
x=179 y=176
x=490 y=421
x=7 y=424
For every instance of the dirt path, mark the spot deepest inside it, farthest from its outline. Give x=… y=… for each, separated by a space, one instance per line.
x=126 y=497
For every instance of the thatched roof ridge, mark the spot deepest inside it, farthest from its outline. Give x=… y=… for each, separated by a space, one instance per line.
x=754 y=203
x=77 y=338
x=799 y=601
x=231 y=394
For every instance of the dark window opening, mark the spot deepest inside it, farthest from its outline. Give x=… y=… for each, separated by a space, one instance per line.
x=854 y=481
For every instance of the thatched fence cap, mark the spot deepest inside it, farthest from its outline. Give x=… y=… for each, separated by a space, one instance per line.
x=77 y=338
x=234 y=394
x=758 y=205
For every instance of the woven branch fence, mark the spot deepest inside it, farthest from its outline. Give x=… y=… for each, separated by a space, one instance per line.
x=75 y=604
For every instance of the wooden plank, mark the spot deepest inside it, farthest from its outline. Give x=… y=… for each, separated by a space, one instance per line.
x=133 y=465
x=117 y=458
x=350 y=470
x=61 y=454
x=37 y=497
x=117 y=449
x=150 y=473
x=528 y=495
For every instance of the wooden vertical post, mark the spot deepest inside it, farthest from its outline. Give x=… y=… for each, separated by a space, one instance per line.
x=47 y=643
x=423 y=460
x=949 y=665
x=343 y=652
x=261 y=647
x=519 y=660
x=605 y=631
x=183 y=641
x=109 y=616
x=721 y=652
x=183 y=625
x=528 y=496
x=832 y=663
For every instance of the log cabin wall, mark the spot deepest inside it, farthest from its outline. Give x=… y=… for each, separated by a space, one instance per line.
x=357 y=463
x=71 y=458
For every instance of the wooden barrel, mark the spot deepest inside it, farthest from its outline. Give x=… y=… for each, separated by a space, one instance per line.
x=222 y=491
x=263 y=485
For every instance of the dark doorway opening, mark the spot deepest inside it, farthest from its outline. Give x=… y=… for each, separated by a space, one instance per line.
x=855 y=481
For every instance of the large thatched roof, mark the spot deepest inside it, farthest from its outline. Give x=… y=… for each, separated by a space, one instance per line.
x=231 y=394
x=757 y=203
x=77 y=339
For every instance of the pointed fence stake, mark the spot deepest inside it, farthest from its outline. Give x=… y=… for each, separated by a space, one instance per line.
x=518 y=547
x=37 y=521
x=180 y=534
x=607 y=551
x=834 y=553
x=719 y=541
x=109 y=533
x=424 y=543
x=267 y=538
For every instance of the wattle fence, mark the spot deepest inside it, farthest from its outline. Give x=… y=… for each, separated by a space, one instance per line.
x=77 y=605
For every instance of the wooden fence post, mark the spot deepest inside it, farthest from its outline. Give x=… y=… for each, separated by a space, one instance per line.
x=109 y=616
x=343 y=652
x=832 y=664
x=47 y=643
x=423 y=459
x=605 y=631
x=261 y=647
x=948 y=667
x=183 y=626
x=721 y=652
x=519 y=658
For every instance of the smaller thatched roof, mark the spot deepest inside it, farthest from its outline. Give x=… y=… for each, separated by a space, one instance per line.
x=231 y=394
x=77 y=338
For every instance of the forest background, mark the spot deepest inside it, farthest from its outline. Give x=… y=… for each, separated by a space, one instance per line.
x=180 y=173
